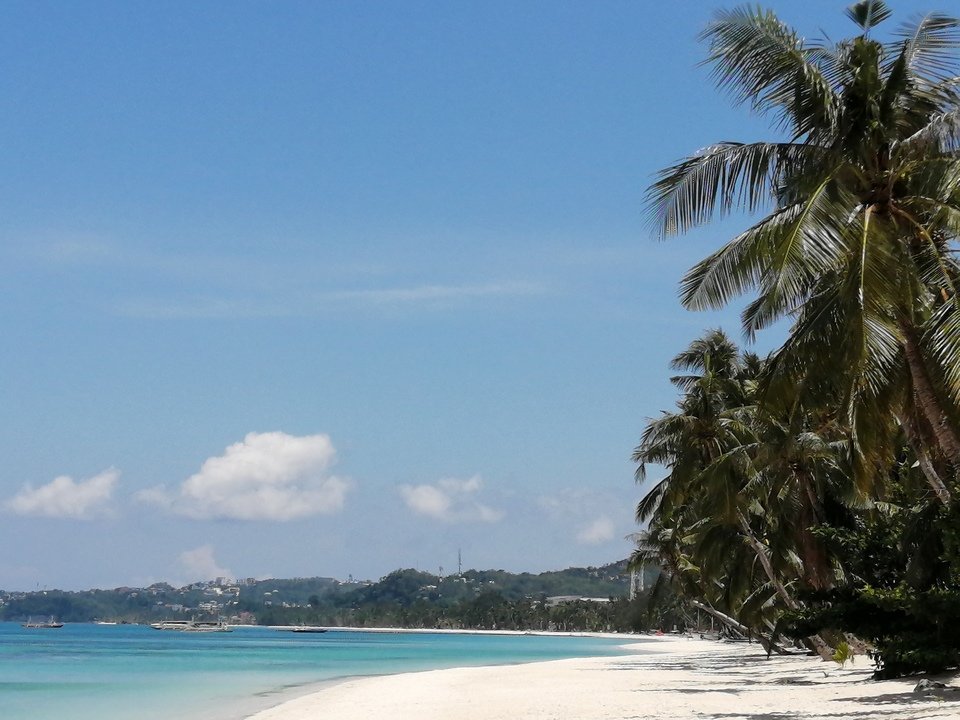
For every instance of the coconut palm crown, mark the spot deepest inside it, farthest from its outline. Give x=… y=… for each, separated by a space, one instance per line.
x=862 y=213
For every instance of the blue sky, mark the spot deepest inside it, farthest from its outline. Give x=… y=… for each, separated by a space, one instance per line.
x=293 y=289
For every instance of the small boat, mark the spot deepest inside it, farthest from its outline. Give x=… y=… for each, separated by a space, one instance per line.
x=192 y=625
x=305 y=629
x=50 y=624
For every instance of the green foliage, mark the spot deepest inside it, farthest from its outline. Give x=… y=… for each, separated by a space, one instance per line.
x=817 y=490
x=842 y=653
x=903 y=593
x=488 y=599
x=401 y=587
x=912 y=631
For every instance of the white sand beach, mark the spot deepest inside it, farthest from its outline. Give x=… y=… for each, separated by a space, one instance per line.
x=681 y=678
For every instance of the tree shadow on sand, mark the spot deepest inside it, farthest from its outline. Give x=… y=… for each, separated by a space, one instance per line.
x=944 y=697
x=865 y=714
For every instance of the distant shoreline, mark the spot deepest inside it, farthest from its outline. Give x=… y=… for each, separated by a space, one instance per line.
x=465 y=631
x=670 y=677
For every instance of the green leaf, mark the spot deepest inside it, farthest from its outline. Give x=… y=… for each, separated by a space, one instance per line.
x=868 y=13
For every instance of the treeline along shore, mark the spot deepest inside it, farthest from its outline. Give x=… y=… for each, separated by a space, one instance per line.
x=575 y=599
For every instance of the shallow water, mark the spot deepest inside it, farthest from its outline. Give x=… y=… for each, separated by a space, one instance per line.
x=120 y=672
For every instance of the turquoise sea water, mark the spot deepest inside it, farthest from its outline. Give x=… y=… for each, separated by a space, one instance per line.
x=121 y=672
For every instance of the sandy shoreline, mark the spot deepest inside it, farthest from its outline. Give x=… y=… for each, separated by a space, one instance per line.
x=680 y=678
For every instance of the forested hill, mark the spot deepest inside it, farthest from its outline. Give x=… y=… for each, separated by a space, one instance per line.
x=392 y=599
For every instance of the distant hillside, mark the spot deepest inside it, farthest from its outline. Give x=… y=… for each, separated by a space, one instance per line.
x=406 y=586
x=404 y=597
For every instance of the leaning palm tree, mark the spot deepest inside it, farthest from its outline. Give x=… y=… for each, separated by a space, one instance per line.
x=721 y=594
x=862 y=203
x=712 y=524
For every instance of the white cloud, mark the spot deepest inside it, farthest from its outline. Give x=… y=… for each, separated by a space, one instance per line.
x=450 y=500
x=426 y=500
x=301 y=303
x=199 y=564
x=575 y=504
x=597 y=532
x=63 y=497
x=267 y=476
x=440 y=293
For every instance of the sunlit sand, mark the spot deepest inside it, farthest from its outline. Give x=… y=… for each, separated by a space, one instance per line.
x=681 y=678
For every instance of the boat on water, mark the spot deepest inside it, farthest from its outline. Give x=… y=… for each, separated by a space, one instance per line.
x=192 y=625
x=305 y=629
x=50 y=624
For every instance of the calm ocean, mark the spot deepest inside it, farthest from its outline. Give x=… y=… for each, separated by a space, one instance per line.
x=127 y=672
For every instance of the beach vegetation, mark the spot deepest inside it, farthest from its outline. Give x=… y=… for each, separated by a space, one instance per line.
x=843 y=654
x=783 y=471
x=592 y=598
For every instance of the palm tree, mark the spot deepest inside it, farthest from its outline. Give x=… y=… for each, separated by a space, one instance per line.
x=714 y=519
x=863 y=209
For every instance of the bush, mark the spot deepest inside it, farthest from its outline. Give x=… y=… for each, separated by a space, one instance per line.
x=912 y=631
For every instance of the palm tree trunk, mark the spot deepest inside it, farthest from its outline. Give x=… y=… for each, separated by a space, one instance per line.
x=930 y=472
x=816 y=568
x=928 y=399
x=730 y=622
x=923 y=459
x=814 y=642
x=758 y=550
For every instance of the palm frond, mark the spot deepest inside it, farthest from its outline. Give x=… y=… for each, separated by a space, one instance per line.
x=785 y=251
x=717 y=180
x=941 y=133
x=868 y=13
x=763 y=62
x=714 y=353
x=943 y=338
x=929 y=45
x=814 y=243
x=650 y=503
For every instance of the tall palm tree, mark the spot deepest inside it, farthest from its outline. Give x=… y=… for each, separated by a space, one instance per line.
x=712 y=523
x=863 y=208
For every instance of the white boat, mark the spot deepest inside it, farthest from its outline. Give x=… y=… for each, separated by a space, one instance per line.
x=305 y=629
x=192 y=625
x=171 y=624
x=50 y=624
